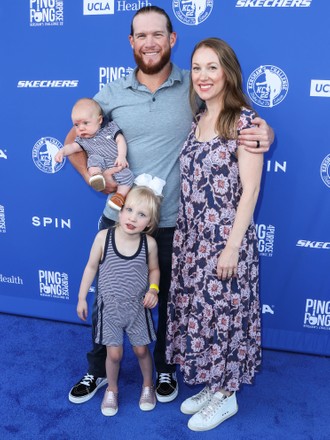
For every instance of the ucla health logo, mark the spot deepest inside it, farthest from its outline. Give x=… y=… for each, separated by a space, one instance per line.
x=53 y=284
x=192 y=12
x=325 y=170
x=317 y=314
x=46 y=13
x=99 y=7
x=267 y=86
x=43 y=155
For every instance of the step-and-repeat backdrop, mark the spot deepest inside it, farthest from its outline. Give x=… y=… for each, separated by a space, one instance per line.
x=56 y=51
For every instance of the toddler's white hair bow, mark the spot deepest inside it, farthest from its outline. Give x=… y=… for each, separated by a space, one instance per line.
x=156 y=184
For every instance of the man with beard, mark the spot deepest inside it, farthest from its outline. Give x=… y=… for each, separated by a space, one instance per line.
x=151 y=106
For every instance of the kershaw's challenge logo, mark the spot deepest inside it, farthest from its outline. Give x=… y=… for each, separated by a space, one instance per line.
x=43 y=155
x=267 y=86
x=192 y=12
x=325 y=170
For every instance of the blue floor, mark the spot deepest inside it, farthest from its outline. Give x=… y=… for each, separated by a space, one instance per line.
x=42 y=359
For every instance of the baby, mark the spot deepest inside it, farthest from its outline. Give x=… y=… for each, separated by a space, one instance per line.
x=105 y=148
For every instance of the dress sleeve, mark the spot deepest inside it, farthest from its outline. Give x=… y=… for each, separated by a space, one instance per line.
x=245 y=119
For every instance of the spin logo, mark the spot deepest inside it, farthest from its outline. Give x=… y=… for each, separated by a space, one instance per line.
x=325 y=170
x=46 y=13
x=109 y=74
x=53 y=284
x=267 y=86
x=192 y=12
x=99 y=7
x=317 y=314
x=266 y=238
x=43 y=155
x=2 y=220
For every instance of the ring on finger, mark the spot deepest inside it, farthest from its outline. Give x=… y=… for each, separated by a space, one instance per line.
x=258 y=144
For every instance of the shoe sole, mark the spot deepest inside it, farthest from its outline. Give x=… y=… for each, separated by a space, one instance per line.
x=107 y=414
x=87 y=397
x=191 y=412
x=113 y=206
x=197 y=428
x=148 y=407
x=169 y=398
x=98 y=183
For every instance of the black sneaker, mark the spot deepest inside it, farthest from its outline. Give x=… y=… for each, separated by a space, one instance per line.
x=166 y=387
x=86 y=388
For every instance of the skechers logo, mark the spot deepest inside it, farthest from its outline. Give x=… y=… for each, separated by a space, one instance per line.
x=45 y=83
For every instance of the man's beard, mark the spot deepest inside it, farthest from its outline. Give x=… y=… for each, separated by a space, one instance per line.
x=153 y=68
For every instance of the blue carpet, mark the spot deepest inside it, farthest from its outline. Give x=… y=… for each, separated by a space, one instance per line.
x=42 y=359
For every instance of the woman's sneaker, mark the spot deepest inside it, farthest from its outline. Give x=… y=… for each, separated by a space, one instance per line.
x=109 y=406
x=166 y=387
x=196 y=402
x=217 y=410
x=85 y=389
x=147 y=399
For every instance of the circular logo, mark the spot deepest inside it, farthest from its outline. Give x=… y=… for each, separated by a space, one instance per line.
x=267 y=86
x=43 y=155
x=192 y=12
x=325 y=170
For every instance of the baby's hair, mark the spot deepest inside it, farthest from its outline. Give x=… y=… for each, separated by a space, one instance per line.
x=91 y=103
x=145 y=194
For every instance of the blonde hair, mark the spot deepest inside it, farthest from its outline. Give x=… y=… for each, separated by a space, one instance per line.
x=143 y=194
x=234 y=97
x=90 y=103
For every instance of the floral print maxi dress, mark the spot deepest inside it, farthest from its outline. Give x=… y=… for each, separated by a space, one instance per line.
x=213 y=330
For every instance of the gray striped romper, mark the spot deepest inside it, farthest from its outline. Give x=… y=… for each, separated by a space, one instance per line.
x=122 y=284
x=102 y=152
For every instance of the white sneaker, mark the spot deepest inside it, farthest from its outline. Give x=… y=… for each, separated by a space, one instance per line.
x=218 y=409
x=109 y=405
x=147 y=399
x=196 y=402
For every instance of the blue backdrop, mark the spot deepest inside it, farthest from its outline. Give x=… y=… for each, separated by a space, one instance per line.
x=56 y=51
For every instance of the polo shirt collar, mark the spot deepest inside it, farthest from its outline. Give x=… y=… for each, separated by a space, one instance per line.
x=132 y=82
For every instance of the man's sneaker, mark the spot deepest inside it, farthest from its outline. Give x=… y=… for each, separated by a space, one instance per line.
x=166 y=387
x=109 y=406
x=217 y=410
x=86 y=388
x=147 y=399
x=196 y=402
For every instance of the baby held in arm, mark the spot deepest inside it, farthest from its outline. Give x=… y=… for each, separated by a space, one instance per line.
x=105 y=147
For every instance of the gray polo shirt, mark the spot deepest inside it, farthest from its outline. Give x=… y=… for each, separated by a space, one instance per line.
x=155 y=126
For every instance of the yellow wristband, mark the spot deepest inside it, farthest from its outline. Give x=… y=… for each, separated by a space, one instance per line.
x=154 y=286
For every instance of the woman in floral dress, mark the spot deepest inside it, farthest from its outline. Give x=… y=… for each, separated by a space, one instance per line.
x=213 y=311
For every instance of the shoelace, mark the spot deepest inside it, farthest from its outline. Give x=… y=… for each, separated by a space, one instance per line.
x=165 y=377
x=214 y=404
x=205 y=393
x=87 y=379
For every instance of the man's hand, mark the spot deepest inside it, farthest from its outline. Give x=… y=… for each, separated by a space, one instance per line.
x=257 y=139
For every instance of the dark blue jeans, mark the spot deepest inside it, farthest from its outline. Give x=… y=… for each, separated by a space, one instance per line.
x=96 y=357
